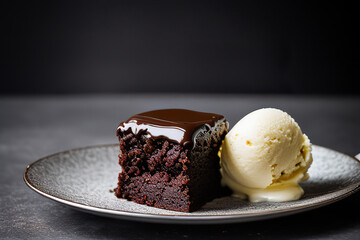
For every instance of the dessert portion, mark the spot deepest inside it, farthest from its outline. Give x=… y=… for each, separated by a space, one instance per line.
x=265 y=156
x=169 y=158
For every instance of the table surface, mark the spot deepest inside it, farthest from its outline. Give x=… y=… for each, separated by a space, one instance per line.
x=32 y=127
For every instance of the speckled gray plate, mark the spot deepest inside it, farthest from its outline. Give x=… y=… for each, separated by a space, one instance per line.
x=82 y=178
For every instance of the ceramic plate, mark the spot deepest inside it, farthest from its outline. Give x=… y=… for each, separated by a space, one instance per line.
x=84 y=178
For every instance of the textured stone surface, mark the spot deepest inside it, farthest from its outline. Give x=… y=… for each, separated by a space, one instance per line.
x=34 y=127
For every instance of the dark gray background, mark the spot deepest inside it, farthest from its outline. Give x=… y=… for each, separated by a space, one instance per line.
x=179 y=46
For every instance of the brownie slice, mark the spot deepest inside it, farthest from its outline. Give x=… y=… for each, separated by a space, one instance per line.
x=169 y=158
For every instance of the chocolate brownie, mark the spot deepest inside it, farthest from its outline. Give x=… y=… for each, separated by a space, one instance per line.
x=169 y=158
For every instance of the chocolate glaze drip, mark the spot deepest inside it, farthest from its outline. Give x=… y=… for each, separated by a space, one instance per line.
x=176 y=125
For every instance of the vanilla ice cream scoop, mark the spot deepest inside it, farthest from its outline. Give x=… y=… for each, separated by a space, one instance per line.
x=265 y=156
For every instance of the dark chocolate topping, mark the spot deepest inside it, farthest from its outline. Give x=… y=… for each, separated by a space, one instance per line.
x=176 y=125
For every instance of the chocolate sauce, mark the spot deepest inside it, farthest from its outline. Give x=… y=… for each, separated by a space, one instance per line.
x=176 y=125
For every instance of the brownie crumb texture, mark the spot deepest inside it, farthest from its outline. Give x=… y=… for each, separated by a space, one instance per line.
x=164 y=174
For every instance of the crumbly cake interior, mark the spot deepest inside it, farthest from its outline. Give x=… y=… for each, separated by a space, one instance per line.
x=164 y=174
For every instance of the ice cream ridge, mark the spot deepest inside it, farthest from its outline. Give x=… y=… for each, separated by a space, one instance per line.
x=265 y=156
